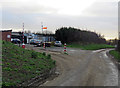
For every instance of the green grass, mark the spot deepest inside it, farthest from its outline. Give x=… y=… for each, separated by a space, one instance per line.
x=90 y=46
x=20 y=65
x=116 y=54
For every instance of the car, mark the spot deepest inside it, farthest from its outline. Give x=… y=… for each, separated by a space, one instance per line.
x=15 y=40
x=37 y=41
x=32 y=41
x=58 y=43
x=39 y=45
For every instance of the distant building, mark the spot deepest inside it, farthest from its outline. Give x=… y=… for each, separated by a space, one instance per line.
x=19 y=35
x=46 y=38
x=43 y=38
x=29 y=36
x=5 y=35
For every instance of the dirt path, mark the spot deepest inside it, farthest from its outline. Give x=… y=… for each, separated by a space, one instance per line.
x=82 y=68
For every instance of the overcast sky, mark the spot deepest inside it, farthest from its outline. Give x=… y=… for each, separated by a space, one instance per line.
x=95 y=15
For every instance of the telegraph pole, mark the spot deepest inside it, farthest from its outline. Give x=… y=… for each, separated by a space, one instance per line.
x=42 y=27
x=23 y=45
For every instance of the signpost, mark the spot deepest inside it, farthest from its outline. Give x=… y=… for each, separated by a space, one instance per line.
x=43 y=27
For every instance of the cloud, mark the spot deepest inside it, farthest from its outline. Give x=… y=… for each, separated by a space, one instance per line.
x=99 y=15
x=106 y=9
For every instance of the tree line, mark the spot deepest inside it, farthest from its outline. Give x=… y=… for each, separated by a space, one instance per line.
x=71 y=35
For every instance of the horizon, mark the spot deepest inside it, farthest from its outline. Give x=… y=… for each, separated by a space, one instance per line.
x=59 y=28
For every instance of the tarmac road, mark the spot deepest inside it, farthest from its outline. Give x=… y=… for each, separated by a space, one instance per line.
x=82 y=67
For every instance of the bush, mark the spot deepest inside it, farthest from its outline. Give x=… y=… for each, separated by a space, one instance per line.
x=3 y=42
x=6 y=84
x=7 y=69
x=44 y=54
x=48 y=56
x=54 y=62
x=52 y=43
x=34 y=55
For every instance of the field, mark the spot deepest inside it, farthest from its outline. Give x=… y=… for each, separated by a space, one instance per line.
x=116 y=54
x=90 y=46
x=20 y=65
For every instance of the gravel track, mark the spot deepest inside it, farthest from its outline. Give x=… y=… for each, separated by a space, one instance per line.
x=81 y=67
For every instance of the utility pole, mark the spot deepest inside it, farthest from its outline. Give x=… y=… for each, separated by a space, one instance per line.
x=42 y=27
x=23 y=45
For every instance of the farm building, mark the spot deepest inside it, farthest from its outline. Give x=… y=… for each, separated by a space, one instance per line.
x=5 y=35
x=47 y=38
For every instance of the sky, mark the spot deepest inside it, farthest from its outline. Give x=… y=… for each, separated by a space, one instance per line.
x=100 y=16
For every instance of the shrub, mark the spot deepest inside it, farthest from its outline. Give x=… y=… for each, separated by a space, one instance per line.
x=3 y=42
x=52 y=43
x=7 y=69
x=8 y=64
x=44 y=54
x=48 y=56
x=54 y=62
x=34 y=55
x=7 y=84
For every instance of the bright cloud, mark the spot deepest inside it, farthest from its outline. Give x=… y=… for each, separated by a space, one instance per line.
x=99 y=15
x=67 y=7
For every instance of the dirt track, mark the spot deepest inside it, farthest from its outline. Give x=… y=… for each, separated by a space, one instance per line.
x=82 y=68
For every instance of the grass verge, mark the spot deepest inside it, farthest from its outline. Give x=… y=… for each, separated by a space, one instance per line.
x=116 y=54
x=20 y=65
x=90 y=46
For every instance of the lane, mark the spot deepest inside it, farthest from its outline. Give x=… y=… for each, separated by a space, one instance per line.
x=70 y=74
x=82 y=68
x=93 y=69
